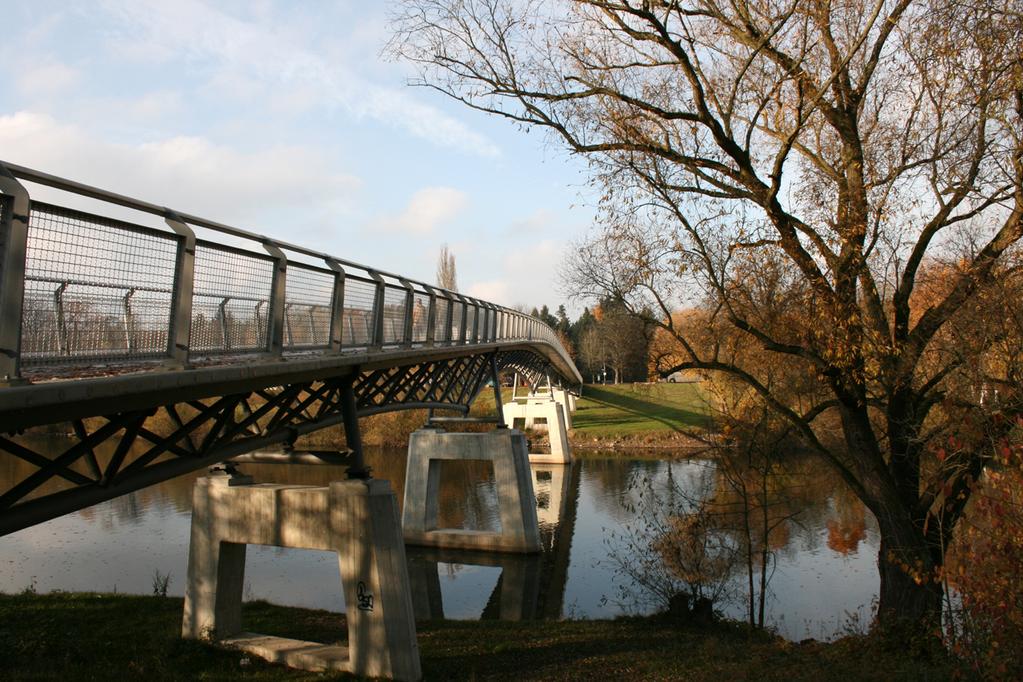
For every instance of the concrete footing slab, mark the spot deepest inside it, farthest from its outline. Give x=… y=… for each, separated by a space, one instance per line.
x=357 y=519
x=293 y=653
x=506 y=449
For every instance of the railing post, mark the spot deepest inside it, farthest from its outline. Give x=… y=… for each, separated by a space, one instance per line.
x=410 y=300
x=13 y=249
x=472 y=335
x=462 y=331
x=448 y=320
x=180 y=332
x=431 y=315
x=337 y=305
x=278 y=293
x=378 y=310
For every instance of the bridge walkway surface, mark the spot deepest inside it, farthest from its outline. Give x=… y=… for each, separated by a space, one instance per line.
x=166 y=342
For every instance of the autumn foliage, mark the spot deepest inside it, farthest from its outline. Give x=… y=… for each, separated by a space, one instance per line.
x=986 y=572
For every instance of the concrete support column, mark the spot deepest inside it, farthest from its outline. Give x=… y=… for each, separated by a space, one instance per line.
x=356 y=518
x=374 y=573
x=567 y=400
x=506 y=449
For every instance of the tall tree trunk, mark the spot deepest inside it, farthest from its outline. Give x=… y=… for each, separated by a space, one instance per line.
x=911 y=593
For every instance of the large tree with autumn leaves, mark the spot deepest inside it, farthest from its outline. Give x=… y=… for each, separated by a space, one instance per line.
x=795 y=167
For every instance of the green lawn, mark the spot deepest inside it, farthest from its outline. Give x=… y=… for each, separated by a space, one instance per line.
x=116 y=637
x=638 y=409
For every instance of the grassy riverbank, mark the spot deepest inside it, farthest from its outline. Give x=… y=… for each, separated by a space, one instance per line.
x=88 y=636
x=639 y=414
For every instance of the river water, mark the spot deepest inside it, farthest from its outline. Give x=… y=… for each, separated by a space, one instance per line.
x=600 y=521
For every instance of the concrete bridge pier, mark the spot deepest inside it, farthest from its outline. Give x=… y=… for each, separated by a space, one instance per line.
x=555 y=416
x=356 y=518
x=506 y=449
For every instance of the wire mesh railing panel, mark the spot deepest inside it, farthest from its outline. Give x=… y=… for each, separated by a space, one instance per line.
x=231 y=300
x=95 y=288
x=394 y=314
x=441 y=330
x=470 y=323
x=308 y=297
x=486 y=325
x=357 y=320
x=457 y=310
x=420 y=317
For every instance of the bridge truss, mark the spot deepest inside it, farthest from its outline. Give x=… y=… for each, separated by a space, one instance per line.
x=163 y=353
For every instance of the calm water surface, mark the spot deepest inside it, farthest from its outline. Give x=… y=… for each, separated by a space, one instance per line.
x=823 y=575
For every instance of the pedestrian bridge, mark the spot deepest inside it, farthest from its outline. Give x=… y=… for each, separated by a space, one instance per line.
x=166 y=342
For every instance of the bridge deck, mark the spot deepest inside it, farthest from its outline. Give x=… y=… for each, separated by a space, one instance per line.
x=58 y=398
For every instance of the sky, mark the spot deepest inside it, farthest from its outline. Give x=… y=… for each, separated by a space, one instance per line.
x=284 y=119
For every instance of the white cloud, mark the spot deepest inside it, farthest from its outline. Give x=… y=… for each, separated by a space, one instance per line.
x=544 y=256
x=539 y=220
x=46 y=79
x=494 y=291
x=527 y=274
x=190 y=174
x=247 y=53
x=152 y=105
x=428 y=209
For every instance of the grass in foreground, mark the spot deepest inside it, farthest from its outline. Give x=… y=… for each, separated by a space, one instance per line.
x=89 y=636
x=631 y=410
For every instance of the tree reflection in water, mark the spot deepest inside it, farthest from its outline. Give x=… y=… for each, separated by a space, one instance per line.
x=707 y=531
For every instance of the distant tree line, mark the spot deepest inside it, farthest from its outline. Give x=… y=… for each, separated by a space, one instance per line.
x=607 y=344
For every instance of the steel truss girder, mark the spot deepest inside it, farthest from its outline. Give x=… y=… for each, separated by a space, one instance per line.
x=119 y=453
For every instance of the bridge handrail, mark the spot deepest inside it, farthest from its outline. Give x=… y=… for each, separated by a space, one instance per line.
x=77 y=288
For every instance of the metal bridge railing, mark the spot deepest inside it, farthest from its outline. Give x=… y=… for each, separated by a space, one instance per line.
x=77 y=289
